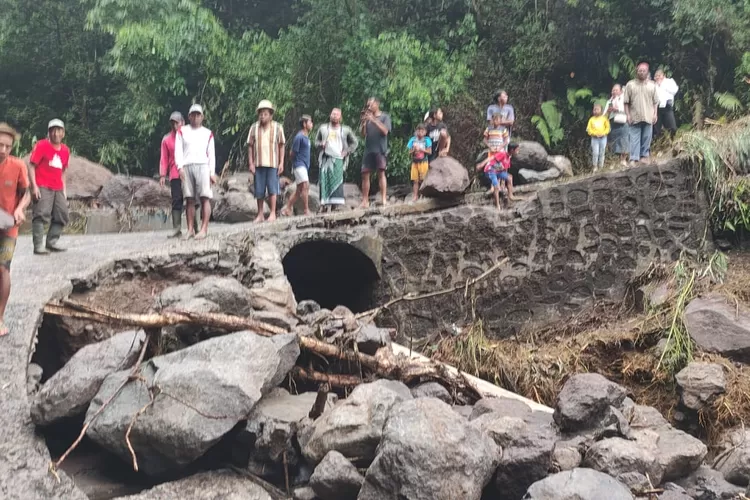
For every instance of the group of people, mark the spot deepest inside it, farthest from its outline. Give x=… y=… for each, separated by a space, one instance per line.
x=632 y=117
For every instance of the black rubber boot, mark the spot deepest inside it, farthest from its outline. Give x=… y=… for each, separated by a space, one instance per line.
x=176 y=224
x=53 y=236
x=37 y=234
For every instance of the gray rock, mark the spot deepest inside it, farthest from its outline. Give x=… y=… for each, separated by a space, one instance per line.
x=585 y=399
x=234 y=207
x=305 y=493
x=708 y=484
x=699 y=384
x=313 y=199
x=370 y=338
x=335 y=478
x=527 y=451
x=227 y=293
x=677 y=453
x=69 y=391
x=566 y=456
x=275 y=295
x=428 y=452
x=200 y=394
x=355 y=425
x=122 y=191
x=238 y=182
x=562 y=164
x=432 y=390
x=509 y=407
x=446 y=178
x=463 y=410
x=531 y=156
x=33 y=378
x=307 y=307
x=284 y=321
x=716 y=326
x=539 y=176
x=645 y=417
x=618 y=457
x=194 y=305
x=214 y=485
x=674 y=492
x=734 y=461
x=578 y=484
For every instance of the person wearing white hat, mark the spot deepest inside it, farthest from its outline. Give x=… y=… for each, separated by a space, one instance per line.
x=265 y=151
x=195 y=157
x=14 y=198
x=48 y=162
x=168 y=170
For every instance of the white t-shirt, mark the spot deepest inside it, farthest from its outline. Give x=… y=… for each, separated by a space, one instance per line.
x=334 y=142
x=194 y=146
x=666 y=90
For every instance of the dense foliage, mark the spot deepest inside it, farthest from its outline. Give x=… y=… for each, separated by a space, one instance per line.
x=114 y=69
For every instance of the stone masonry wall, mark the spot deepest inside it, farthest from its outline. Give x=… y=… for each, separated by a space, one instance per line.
x=569 y=245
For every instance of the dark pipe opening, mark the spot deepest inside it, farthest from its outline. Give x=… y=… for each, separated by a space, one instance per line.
x=331 y=274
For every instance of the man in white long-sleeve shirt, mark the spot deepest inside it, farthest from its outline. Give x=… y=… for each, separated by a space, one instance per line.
x=666 y=89
x=195 y=157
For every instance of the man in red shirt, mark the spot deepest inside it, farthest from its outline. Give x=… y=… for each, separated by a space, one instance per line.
x=168 y=169
x=49 y=160
x=14 y=198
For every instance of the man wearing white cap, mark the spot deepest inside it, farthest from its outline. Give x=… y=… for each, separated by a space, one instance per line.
x=195 y=158
x=168 y=170
x=49 y=160
x=265 y=153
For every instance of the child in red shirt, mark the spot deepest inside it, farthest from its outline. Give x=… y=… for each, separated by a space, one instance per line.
x=497 y=167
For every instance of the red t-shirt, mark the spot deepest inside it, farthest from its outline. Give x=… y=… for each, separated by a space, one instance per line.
x=499 y=162
x=50 y=164
x=13 y=182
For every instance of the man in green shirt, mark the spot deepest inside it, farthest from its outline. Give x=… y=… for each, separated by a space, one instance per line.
x=641 y=104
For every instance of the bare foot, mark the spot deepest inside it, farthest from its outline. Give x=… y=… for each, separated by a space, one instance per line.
x=189 y=235
x=3 y=329
x=272 y=217
x=285 y=212
x=201 y=236
x=306 y=212
x=364 y=204
x=497 y=205
x=512 y=198
x=259 y=218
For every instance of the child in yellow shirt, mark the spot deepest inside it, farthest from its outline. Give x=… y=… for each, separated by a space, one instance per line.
x=598 y=129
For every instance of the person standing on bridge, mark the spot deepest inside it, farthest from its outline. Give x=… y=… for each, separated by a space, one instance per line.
x=14 y=198
x=641 y=100
x=376 y=126
x=195 y=157
x=265 y=153
x=168 y=170
x=300 y=157
x=336 y=142
x=48 y=162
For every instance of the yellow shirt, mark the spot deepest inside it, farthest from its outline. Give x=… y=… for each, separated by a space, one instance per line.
x=598 y=126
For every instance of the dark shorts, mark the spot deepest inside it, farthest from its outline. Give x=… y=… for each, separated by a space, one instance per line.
x=266 y=179
x=7 y=248
x=373 y=161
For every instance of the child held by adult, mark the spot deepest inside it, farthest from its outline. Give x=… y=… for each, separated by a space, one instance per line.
x=420 y=147
x=496 y=136
x=497 y=170
x=598 y=128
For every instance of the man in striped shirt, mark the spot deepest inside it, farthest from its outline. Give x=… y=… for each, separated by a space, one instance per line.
x=265 y=143
x=195 y=157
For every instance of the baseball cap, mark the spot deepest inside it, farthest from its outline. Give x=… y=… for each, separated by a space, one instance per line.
x=176 y=117
x=196 y=108
x=55 y=123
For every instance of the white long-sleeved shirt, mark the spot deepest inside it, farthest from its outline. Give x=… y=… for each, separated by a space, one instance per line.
x=666 y=91
x=194 y=146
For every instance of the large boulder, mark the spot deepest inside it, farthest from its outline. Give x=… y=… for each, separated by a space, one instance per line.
x=531 y=156
x=69 y=391
x=84 y=179
x=432 y=390
x=235 y=206
x=526 y=452
x=446 y=178
x=562 y=164
x=706 y=483
x=578 y=484
x=718 y=326
x=214 y=485
x=355 y=425
x=227 y=293
x=240 y=182
x=624 y=460
x=123 y=191
x=677 y=452
x=199 y=394
x=335 y=478
x=699 y=384
x=313 y=199
x=734 y=461
x=429 y=452
x=585 y=399
x=529 y=176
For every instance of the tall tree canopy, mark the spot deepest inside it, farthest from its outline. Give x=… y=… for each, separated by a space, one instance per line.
x=115 y=69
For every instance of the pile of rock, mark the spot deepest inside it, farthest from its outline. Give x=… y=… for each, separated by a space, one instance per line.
x=221 y=396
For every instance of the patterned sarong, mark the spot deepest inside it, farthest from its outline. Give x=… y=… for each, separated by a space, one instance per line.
x=331 y=181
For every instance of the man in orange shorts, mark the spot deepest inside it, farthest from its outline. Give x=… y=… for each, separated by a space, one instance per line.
x=14 y=198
